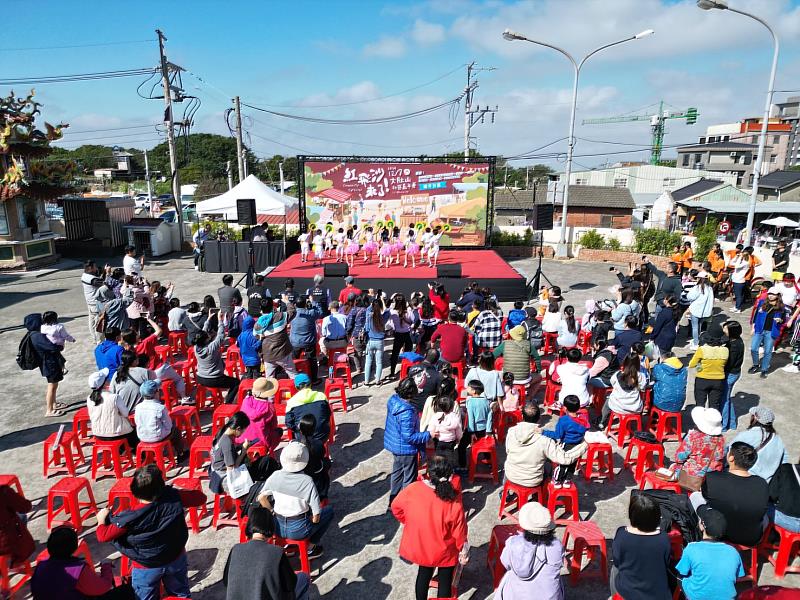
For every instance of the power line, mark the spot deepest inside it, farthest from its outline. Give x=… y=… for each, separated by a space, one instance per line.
x=98 y=44
x=105 y=137
x=76 y=77
x=111 y=129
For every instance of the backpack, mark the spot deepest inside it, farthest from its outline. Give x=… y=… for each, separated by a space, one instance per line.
x=27 y=358
x=535 y=333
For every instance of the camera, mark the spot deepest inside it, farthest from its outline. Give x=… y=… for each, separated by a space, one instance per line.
x=612 y=268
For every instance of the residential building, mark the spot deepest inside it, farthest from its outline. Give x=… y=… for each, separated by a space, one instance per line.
x=668 y=211
x=727 y=158
x=747 y=131
x=645 y=178
x=789 y=113
x=783 y=186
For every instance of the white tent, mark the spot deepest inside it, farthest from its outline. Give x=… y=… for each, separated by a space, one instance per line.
x=780 y=222
x=268 y=201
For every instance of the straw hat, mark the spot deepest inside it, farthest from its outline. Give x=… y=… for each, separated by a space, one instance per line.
x=707 y=420
x=536 y=518
x=265 y=387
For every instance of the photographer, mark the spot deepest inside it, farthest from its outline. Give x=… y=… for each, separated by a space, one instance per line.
x=198 y=241
x=669 y=283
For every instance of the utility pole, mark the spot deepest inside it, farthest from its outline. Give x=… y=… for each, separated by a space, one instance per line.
x=170 y=122
x=528 y=178
x=473 y=115
x=230 y=175
x=280 y=170
x=147 y=179
x=239 y=147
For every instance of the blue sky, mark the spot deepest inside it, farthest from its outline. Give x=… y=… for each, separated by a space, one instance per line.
x=318 y=53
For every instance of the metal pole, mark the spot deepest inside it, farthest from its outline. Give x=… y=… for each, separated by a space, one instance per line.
x=173 y=162
x=467 y=108
x=280 y=170
x=230 y=175
x=562 y=251
x=147 y=179
x=239 y=150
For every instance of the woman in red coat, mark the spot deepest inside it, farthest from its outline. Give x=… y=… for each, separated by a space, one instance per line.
x=440 y=300
x=15 y=539
x=434 y=537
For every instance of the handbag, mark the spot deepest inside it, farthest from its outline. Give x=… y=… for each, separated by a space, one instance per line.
x=239 y=482
x=689 y=482
x=100 y=324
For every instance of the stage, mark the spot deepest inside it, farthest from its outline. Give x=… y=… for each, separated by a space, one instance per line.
x=483 y=266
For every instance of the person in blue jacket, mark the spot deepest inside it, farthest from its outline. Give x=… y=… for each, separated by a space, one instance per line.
x=249 y=347
x=665 y=329
x=768 y=319
x=303 y=334
x=670 y=377
x=108 y=354
x=402 y=436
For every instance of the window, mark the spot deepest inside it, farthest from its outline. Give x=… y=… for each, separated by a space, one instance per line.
x=686 y=158
x=581 y=181
x=773 y=158
x=698 y=158
x=3 y=220
x=776 y=139
x=620 y=182
x=703 y=140
x=669 y=182
x=606 y=221
x=38 y=249
x=750 y=179
x=6 y=253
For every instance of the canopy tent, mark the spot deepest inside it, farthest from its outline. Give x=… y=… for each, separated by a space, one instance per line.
x=268 y=201
x=780 y=222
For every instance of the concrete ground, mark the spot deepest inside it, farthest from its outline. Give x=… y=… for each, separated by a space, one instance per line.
x=360 y=557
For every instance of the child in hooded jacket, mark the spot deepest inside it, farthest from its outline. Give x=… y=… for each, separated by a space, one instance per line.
x=569 y=431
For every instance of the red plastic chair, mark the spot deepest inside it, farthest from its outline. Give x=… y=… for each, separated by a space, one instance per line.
x=208 y=398
x=588 y=541
x=221 y=415
x=584 y=341
x=286 y=389
x=121 y=493
x=169 y=394
x=648 y=457
x=665 y=425
x=195 y=512
x=788 y=547
x=200 y=456
x=12 y=481
x=244 y=387
x=187 y=368
x=336 y=391
x=301 y=365
x=233 y=362
x=566 y=496
x=68 y=490
x=622 y=426
x=227 y=511
x=550 y=345
x=600 y=456
x=163 y=354
x=551 y=392
x=111 y=457
x=656 y=483
x=341 y=368
x=497 y=541
x=504 y=420
x=22 y=570
x=187 y=420
x=599 y=396
x=405 y=365
x=178 y=342
x=82 y=425
x=161 y=453
x=523 y=496
x=483 y=447
x=302 y=551
x=63 y=457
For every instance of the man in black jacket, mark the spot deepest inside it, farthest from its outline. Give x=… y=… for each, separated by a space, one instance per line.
x=255 y=294
x=669 y=283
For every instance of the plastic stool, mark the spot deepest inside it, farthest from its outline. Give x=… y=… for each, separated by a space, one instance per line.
x=665 y=425
x=107 y=458
x=504 y=420
x=405 y=365
x=12 y=481
x=178 y=342
x=565 y=496
x=121 y=492
x=169 y=394
x=161 y=453
x=588 y=540
x=68 y=489
x=195 y=512
x=221 y=415
x=584 y=341
x=301 y=365
x=336 y=391
x=656 y=483
x=233 y=362
x=232 y=507
x=646 y=396
x=523 y=495
x=460 y=368
x=787 y=549
x=750 y=563
x=244 y=387
x=599 y=396
x=64 y=456
x=342 y=370
x=601 y=455
x=626 y=424
x=81 y=425
x=550 y=345
x=302 y=550
x=8 y=571
x=187 y=420
x=551 y=391
x=164 y=354
x=208 y=398
x=483 y=446
x=648 y=457
x=497 y=541
x=199 y=454
x=286 y=389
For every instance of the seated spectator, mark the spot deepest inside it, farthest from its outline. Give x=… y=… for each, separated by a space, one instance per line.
x=434 y=538
x=627 y=385
x=517 y=353
x=533 y=558
x=740 y=496
x=452 y=338
x=527 y=450
x=108 y=353
x=574 y=377
x=552 y=318
x=487 y=327
x=108 y=413
x=427 y=377
x=333 y=331
x=709 y=568
x=128 y=378
x=307 y=401
x=784 y=495
x=153 y=536
x=516 y=316
x=569 y=432
x=605 y=363
x=292 y=496
x=258 y=569
x=319 y=465
x=196 y=320
x=250 y=348
x=259 y=407
x=702 y=449
x=15 y=539
x=62 y=575
x=670 y=379
x=132 y=340
x=303 y=332
x=567 y=329
x=177 y=317
x=479 y=419
x=153 y=423
x=641 y=553
x=760 y=434
x=447 y=387
x=276 y=350
x=490 y=378
x=210 y=364
x=624 y=339
x=602 y=326
x=227 y=455
x=165 y=371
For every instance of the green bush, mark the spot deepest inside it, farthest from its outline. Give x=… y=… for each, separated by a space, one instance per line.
x=591 y=240
x=232 y=233
x=705 y=237
x=504 y=238
x=655 y=241
x=614 y=244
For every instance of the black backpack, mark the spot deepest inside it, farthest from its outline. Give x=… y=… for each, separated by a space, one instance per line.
x=27 y=358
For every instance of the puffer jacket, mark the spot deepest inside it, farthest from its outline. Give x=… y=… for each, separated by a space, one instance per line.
x=527 y=451
x=50 y=360
x=303 y=332
x=114 y=307
x=248 y=343
x=701 y=302
x=760 y=318
x=401 y=434
x=669 y=391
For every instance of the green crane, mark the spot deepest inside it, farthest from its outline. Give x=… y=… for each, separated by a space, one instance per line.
x=657 y=125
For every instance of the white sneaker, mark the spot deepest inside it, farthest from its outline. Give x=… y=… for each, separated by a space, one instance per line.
x=735 y=310
x=196 y=268
x=693 y=347
x=187 y=401
x=557 y=485
x=791 y=369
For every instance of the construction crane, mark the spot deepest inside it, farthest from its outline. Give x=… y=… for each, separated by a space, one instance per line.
x=657 y=125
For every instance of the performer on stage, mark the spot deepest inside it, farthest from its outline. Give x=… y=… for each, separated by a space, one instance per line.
x=351 y=249
x=339 y=240
x=304 y=246
x=327 y=237
x=370 y=247
x=319 y=247
x=426 y=244
x=433 y=253
x=412 y=248
x=397 y=245
x=385 y=254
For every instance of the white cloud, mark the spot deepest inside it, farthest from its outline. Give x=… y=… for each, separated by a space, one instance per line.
x=426 y=33
x=386 y=47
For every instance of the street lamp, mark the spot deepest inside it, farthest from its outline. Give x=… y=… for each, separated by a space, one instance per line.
x=762 y=141
x=562 y=248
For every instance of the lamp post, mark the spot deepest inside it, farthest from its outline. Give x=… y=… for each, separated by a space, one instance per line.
x=762 y=140
x=562 y=247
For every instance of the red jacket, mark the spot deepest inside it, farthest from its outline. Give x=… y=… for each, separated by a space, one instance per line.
x=434 y=530
x=441 y=306
x=15 y=539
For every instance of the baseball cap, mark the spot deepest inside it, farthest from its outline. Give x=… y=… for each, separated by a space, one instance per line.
x=150 y=388
x=713 y=521
x=301 y=379
x=349 y=279
x=98 y=378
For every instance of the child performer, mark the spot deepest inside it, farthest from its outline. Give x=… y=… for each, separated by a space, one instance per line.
x=369 y=244
x=433 y=252
x=351 y=249
x=412 y=248
x=319 y=247
x=327 y=237
x=426 y=244
x=305 y=247
x=397 y=245
x=385 y=254
x=340 y=240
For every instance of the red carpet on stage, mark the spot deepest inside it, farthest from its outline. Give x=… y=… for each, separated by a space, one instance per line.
x=475 y=264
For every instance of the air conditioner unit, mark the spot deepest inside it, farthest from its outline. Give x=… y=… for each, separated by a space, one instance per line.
x=734 y=154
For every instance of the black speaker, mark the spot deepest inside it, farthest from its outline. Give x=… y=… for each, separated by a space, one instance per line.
x=335 y=270
x=246 y=211
x=543 y=216
x=448 y=271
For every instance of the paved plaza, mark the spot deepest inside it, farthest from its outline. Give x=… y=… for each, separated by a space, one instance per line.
x=360 y=557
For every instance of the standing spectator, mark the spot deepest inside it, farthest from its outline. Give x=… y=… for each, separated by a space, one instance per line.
x=688 y=257
x=375 y=321
x=152 y=536
x=258 y=569
x=227 y=294
x=108 y=354
x=761 y=435
x=767 y=321
x=452 y=339
x=739 y=495
x=670 y=378
x=533 y=558
x=51 y=363
x=427 y=378
x=211 y=366
x=354 y=326
x=130 y=263
x=669 y=283
x=701 y=306
x=626 y=306
x=91 y=282
x=255 y=294
x=710 y=568
x=784 y=494
x=434 y=538
x=641 y=553
x=249 y=347
x=295 y=501
x=402 y=437
x=780 y=260
x=733 y=370
x=440 y=300
x=334 y=334
x=349 y=288
x=303 y=334
x=108 y=413
x=788 y=290
x=320 y=295
x=710 y=358
x=402 y=318
x=306 y=401
x=702 y=449
x=15 y=539
x=276 y=349
x=114 y=307
x=198 y=241
x=665 y=329
x=740 y=266
x=470 y=295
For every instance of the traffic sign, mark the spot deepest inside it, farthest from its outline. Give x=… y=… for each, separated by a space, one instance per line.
x=724 y=226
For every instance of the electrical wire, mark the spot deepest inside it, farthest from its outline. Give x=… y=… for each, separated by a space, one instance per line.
x=96 y=45
x=77 y=77
x=81 y=131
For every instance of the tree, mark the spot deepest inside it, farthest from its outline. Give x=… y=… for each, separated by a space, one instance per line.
x=208 y=188
x=269 y=169
x=205 y=155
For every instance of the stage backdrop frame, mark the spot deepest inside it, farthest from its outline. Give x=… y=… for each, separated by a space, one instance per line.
x=388 y=160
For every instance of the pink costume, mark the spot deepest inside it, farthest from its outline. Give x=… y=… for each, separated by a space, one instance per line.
x=352 y=247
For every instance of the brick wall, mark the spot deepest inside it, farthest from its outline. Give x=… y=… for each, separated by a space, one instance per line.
x=580 y=216
x=620 y=257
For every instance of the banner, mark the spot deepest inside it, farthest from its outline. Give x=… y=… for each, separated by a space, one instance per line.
x=451 y=195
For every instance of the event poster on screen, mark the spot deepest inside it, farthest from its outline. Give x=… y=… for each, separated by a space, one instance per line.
x=454 y=196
